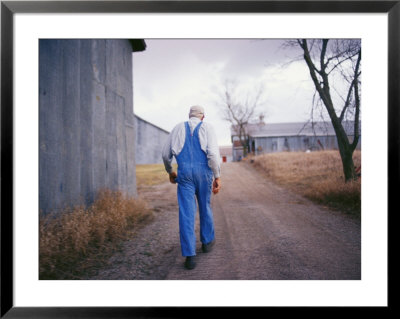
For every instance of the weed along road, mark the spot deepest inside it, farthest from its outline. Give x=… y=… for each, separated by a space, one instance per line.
x=263 y=232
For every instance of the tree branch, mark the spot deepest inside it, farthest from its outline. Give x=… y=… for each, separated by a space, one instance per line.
x=357 y=100
x=347 y=102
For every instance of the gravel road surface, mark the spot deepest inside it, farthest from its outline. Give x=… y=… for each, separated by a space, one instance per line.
x=262 y=232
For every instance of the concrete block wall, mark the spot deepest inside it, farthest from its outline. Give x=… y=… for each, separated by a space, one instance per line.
x=86 y=121
x=150 y=140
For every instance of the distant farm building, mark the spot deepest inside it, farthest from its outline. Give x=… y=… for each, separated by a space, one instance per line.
x=226 y=153
x=150 y=140
x=288 y=137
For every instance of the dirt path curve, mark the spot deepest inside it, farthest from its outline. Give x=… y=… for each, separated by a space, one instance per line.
x=262 y=232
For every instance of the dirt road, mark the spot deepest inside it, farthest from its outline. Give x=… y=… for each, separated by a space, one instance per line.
x=262 y=232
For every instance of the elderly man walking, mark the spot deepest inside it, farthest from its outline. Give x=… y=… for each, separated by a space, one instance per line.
x=194 y=145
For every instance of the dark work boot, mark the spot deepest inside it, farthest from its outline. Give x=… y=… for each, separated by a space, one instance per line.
x=206 y=248
x=190 y=262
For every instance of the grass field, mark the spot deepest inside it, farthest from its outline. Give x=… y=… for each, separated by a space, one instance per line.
x=316 y=175
x=151 y=174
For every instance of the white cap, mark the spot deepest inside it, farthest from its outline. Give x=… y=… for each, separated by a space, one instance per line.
x=196 y=111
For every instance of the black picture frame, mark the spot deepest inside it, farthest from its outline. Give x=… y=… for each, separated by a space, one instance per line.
x=9 y=8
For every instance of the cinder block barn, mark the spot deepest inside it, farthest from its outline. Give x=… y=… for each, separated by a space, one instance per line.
x=86 y=120
x=150 y=140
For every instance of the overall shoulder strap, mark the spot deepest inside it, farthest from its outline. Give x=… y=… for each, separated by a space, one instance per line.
x=187 y=129
x=196 y=130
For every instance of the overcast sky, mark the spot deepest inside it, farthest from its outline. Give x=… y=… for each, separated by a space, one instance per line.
x=171 y=75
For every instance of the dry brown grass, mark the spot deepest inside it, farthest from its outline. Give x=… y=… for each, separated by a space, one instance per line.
x=76 y=241
x=316 y=175
x=151 y=174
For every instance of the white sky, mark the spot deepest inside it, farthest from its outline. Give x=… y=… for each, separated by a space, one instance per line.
x=173 y=74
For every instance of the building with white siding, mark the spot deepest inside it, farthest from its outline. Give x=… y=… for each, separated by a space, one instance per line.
x=226 y=153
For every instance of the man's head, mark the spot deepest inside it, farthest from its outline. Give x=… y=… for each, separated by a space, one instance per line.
x=196 y=111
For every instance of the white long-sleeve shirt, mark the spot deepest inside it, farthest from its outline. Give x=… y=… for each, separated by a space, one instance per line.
x=208 y=143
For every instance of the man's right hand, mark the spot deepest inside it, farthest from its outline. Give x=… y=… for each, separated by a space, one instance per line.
x=216 y=185
x=172 y=177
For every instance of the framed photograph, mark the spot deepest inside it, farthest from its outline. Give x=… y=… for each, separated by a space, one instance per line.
x=23 y=26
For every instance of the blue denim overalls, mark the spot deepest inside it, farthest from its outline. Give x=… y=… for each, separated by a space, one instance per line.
x=194 y=179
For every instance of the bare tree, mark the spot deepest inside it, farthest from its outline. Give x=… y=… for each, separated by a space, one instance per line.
x=241 y=109
x=326 y=59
